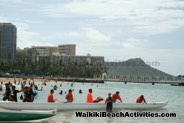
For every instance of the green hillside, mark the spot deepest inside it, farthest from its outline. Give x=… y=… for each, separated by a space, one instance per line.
x=133 y=67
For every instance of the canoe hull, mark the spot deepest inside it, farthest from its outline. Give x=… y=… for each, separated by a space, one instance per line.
x=24 y=115
x=78 y=106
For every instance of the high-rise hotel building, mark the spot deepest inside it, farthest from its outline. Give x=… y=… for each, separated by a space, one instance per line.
x=8 y=40
x=67 y=49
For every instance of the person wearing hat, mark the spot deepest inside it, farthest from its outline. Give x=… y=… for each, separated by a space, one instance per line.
x=69 y=96
x=116 y=97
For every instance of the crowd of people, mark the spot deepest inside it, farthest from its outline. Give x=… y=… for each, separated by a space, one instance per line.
x=29 y=93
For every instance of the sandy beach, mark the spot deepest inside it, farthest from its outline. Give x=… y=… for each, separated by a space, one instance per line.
x=12 y=80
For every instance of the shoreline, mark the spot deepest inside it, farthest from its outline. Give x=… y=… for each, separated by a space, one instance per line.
x=54 y=79
x=13 y=80
x=78 y=80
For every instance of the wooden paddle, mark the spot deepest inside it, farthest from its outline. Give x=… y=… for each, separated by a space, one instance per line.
x=60 y=101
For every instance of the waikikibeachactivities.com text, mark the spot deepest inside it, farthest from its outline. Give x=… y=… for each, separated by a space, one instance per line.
x=123 y=114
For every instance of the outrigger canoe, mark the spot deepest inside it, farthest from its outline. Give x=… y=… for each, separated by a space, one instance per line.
x=25 y=115
x=79 y=106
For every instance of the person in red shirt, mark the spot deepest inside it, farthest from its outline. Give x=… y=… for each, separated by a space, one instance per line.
x=50 y=97
x=140 y=99
x=89 y=96
x=69 y=96
x=116 y=96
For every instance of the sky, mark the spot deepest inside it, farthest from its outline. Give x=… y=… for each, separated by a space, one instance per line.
x=116 y=29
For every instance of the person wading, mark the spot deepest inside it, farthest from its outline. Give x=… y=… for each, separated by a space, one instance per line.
x=13 y=95
x=109 y=103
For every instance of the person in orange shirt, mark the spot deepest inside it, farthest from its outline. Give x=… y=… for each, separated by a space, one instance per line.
x=50 y=97
x=116 y=96
x=140 y=99
x=89 y=96
x=69 y=96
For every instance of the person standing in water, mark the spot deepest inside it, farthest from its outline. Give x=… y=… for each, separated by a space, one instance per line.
x=13 y=95
x=109 y=103
x=7 y=92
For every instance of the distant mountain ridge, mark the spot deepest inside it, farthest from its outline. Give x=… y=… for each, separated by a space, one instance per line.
x=133 y=67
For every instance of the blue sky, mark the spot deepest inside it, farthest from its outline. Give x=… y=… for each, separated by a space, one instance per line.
x=116 y=29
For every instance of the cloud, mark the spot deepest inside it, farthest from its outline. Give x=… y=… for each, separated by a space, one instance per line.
x=87 y=34
x=3 y=19
x=149 y=17
x=55 y=10
x=84 y=37
x=25 y=37
x=72 y=34
x=133 y=43
x=11 y=1
x=95 y=35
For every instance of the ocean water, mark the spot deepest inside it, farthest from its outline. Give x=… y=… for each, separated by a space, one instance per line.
x=128 y=92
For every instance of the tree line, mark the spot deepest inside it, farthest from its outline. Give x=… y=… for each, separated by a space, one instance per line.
x=46 y=68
